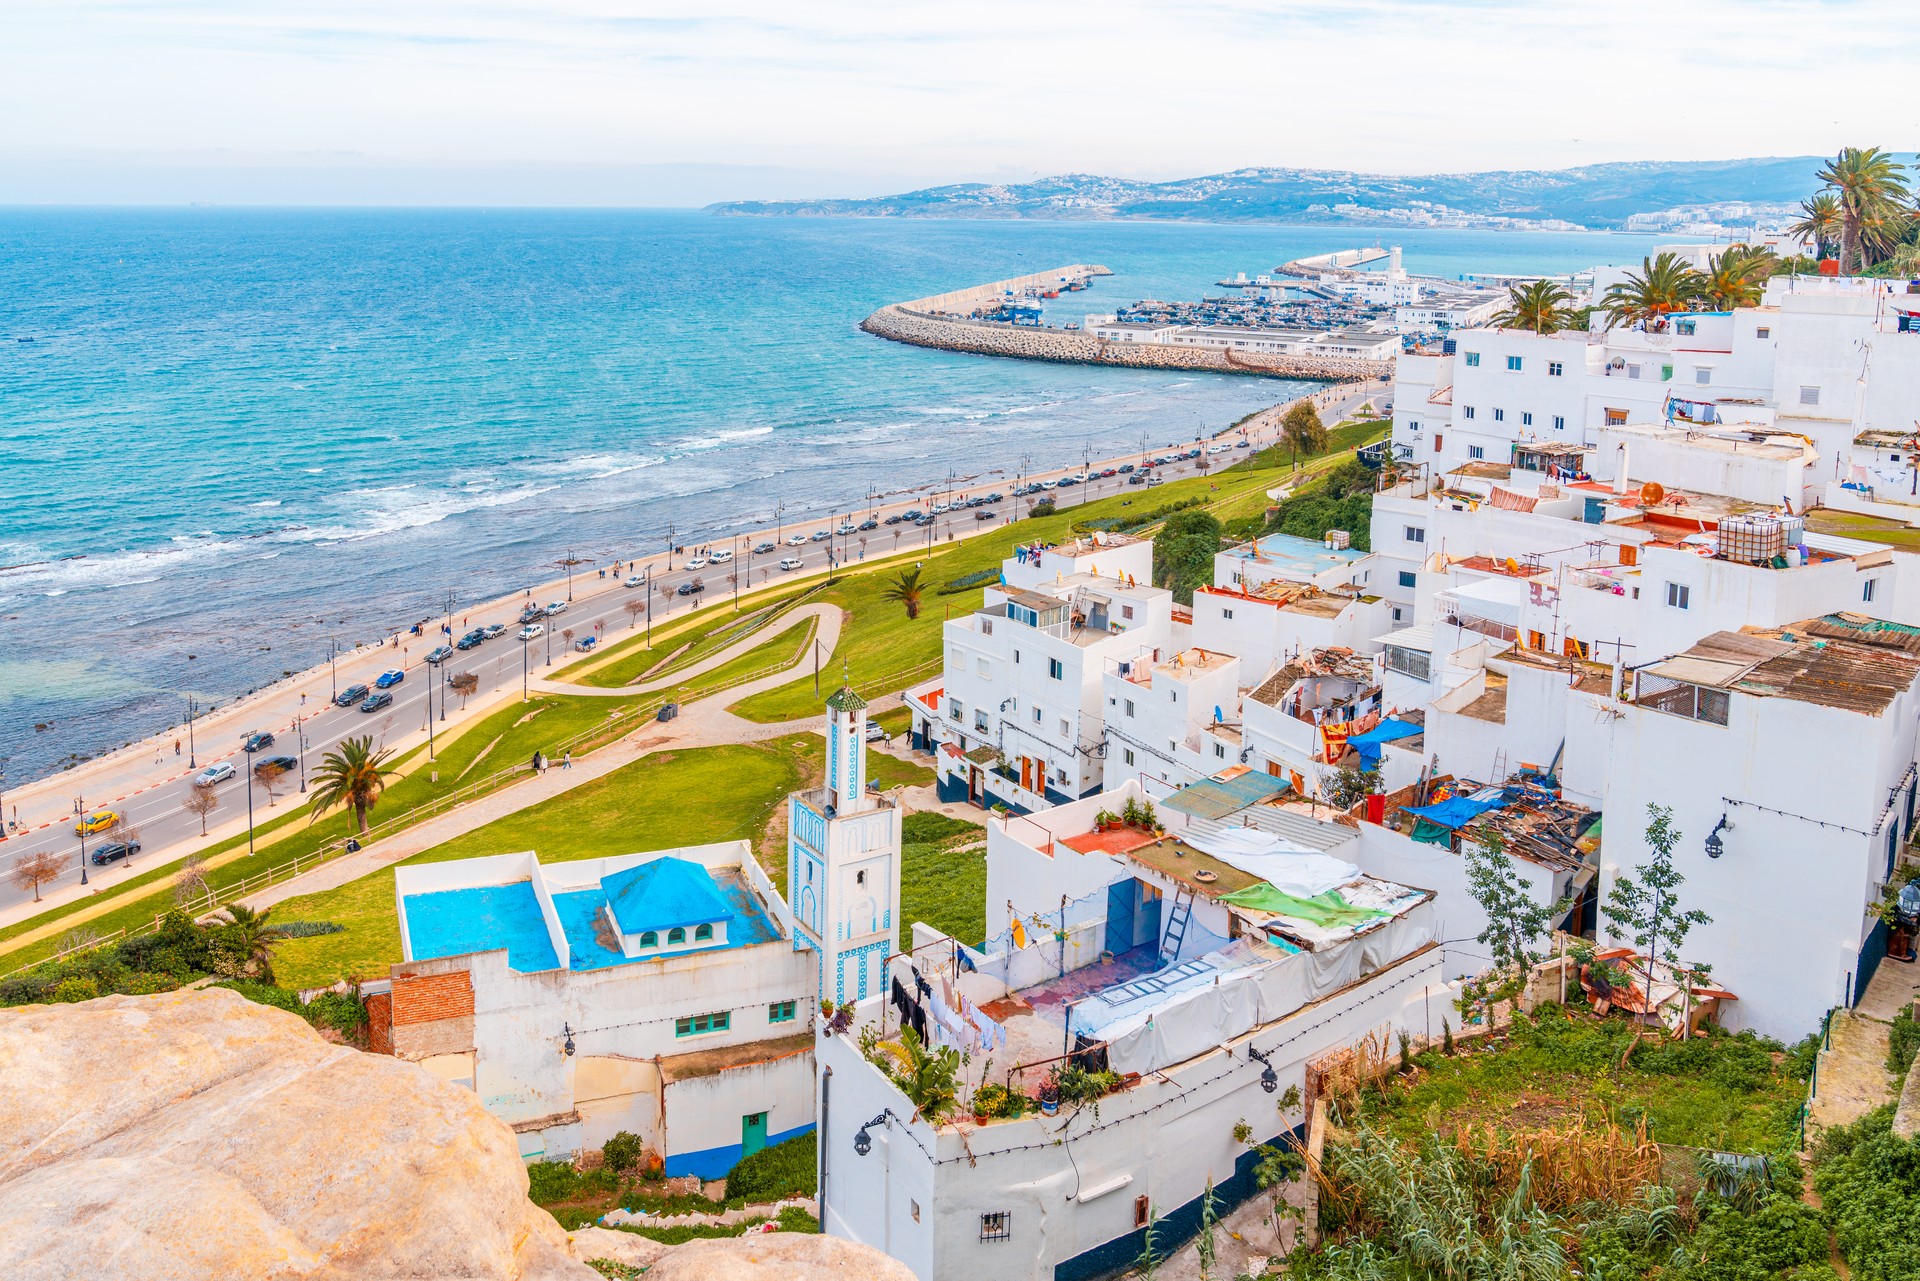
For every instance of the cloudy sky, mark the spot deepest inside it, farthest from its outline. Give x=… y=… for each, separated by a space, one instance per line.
x=677 y=102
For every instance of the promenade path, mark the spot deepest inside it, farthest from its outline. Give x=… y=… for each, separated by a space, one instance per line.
x=830 y=616
x=706 y=723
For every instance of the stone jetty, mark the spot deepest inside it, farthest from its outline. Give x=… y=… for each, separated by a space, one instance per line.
x=942 y=322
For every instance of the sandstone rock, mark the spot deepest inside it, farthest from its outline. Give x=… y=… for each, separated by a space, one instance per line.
x=777 y=1256
x=622 y=1247
x=197 y=1135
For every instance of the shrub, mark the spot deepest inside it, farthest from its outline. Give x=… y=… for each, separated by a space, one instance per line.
x=70 y=991
x=622 y=1152
x=308 y=929
x=551 y=1182
x=1902 y=1042
x=1045 y=507
x=966 y=581
x=773 y=1173
x=930 y=827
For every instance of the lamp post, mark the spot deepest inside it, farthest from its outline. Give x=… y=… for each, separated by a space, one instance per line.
x=250 y=749
x=333 y=671
x=669 y=549
x=80 y=812
x=647 y=591
x=523 y=669
x=300 y=740
x=3 y=798
x=193 y=708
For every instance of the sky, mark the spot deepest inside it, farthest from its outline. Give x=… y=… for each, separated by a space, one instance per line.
x=667 y=102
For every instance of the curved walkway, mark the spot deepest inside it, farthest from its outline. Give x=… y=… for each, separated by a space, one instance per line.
x=705 y=723
x=831 y=618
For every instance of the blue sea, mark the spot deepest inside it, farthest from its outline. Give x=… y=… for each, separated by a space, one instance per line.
x=236 y=434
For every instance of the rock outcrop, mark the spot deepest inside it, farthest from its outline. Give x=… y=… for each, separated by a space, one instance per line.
x=776 y=1256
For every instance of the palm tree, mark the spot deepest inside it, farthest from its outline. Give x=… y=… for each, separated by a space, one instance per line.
x=253 y=938
x=1871 y=189
x=1539 y=305
x=1736 y=277
x=1821 y=224
x=907 y=589
x=1663 y=286
x=352 y=774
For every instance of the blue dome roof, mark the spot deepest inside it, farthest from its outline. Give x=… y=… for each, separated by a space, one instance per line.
x=662 y=895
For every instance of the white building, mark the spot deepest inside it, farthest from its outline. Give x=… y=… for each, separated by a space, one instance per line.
x=1298 y=720
x=659 y=993
x=1173 y=721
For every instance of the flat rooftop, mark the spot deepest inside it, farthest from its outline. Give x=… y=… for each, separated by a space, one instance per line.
x=1190 y=664
x=1295 y=555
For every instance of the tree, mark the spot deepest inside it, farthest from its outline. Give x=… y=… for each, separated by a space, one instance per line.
x=1870 y=188
x=190 y=881
x=906 y=588
x=250 y=940
x=1045 y=507
x=634 y=609
x=269 y=775
x=31 y=871
x=1302 y=430
x=1736 y=277
x=201 y=800
x=566 y=635
x=1538 y=305
x=1647 y=910
x=1663 y=286
x=1820 y=223
x=1516 y=919
x=1183 y=552
x=1347 y=786
x=352 y=774
x=465 y=683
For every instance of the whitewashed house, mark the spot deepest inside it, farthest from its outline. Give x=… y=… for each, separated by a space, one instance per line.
x=1173 y=721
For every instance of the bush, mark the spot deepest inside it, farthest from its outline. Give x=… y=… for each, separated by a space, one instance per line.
x=966 y=581
x=930 y=827
x=551 y=1182
x=1869 y=1183
x=622 y=1152
x=308 y=929
x=1045 y=507
x=1902 y=1042
x=773 y=1173
x=73 y=990
x=1731 y=1246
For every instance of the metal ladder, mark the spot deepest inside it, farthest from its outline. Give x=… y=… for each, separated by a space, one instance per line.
x=1177 y=918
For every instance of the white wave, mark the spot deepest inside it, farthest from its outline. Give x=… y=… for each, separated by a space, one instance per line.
x=117 y=568
x=601 y=466
x=396 y=508
x=719 y=438
x=266 y=502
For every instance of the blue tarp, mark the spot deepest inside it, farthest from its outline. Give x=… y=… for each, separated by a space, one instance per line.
x=1385 y=732
x=1456 y=813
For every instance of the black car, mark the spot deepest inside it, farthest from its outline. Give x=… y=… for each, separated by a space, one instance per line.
x=114 y=851
x=1126 y=467
x=255 y=742
x=532 y=612
x=760 y=549
x=471 y=639
x=983 y=515
x=869 y=523
x=280 y=764
x=689 y=589
x=376 y=701
x=1138 y=478
x=894 y=519
x=350 y=695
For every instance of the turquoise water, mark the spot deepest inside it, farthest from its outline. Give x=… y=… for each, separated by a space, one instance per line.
x=236 y=433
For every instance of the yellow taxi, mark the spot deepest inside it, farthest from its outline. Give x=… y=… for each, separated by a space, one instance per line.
x=98 y=821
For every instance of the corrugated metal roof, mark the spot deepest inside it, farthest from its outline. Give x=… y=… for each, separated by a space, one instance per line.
x=1312 y=833
x=1217 y=798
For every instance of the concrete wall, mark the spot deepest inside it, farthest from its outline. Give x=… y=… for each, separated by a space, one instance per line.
x=706 y=1114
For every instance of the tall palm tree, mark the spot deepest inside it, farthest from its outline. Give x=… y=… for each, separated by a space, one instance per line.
x=1820 y=223
x=1870 y=187
x=352 y=774
x=906 y=588
x=255 y=938
x=1736 y=277
x=1539 y=305
x=1663 y=286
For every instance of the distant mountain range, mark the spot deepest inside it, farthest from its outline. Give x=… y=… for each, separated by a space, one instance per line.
x=1591 y=196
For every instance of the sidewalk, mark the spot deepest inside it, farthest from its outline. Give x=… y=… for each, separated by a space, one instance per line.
x=1852 y=1077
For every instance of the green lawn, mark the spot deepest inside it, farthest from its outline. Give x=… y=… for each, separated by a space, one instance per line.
x=689 y=641
x=789 y=645
x=943 y=877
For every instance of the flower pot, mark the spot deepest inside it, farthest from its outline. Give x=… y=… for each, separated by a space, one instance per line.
x=1048 y=1107
x=979 y=1118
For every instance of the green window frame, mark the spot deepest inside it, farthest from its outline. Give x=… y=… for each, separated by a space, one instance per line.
x=701 y=1024
x=676 y=935
x=649 y=939
x=780 y=1012
x=701 y=933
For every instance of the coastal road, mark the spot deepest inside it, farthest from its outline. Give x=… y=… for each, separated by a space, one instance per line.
x=306 y=725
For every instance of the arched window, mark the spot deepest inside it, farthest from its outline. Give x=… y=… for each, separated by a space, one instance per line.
x=649 y=939
x=676 y=935
x=701 y=933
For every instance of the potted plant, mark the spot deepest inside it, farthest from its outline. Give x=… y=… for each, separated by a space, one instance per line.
x=1106 y=821
x=1049 y=1097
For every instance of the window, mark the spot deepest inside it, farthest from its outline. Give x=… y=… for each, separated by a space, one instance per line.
x=1633 y=371
x=1016 y=658
x=1407 y=578
x=780 y=1012
x=1055 y=669
x=1702 y=376
x=1763 y=331
x=1809 y=395
x=703 y=933
x=650 y=939
x=915 y=1205
x=1409 y=662
x=1129 y=703
x=1416 y=534
x=1678 y=595
x=1126 y=611
x=980 y=665
x=1066 y=730
x=1526 y=418
x=1036 y=716
x=1466 y=411
x=1499 y=415
x=1554 y=369
x=1559 y=422
x=1475 y=451
x=1226 y=614
x=1396 y=613
x=980 y=718
x=1684 y=328
x=1681 y=698
x=676 y=935
x=1142 y=1211
x=953 y=708
x=1173 y=695
x=1219 y=750
x=1513 y=364
x=1437 y=438
x=1666 y=373
x=1616 y=417
x=997 y=1226
x=701 y=1024
x=860 y=877
x=1866 y=589
x=1126 y=754
x=1473 y=360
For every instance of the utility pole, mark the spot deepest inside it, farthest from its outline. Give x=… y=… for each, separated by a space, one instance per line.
x=333 y=652
x=523 y=666
x=300 y=738
x=249 y=785
x=669 y=549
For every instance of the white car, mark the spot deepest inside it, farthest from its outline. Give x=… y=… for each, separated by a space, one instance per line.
x=533 y=631
x=720 y=557
x=791 y=562
x=940 y=509
x=1224 y=448
x=698 y=562
x=636 y=580
x=796 y=540
x=557 y=607
x=1048 y=484
x=846 y=527
x=213 y=774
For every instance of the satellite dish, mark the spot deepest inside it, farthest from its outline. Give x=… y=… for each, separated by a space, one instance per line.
x=1652 y=492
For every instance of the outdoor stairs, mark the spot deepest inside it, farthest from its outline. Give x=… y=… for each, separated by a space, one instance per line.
x=1177 y=917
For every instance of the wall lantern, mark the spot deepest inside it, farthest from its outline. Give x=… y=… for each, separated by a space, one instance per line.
x=1715 y=846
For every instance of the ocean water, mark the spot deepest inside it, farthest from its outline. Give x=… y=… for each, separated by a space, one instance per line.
x=235 y=434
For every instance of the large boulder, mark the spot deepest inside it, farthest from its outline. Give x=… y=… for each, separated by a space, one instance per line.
x=776 y=1256
x=197 y=1135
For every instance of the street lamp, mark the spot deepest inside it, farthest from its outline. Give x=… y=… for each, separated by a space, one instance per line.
x=250 y=749
x=300 y=739
x=1715 y=846
x=80 y=812
x=193 y=708
x=862 y=1141
x=523 y=668
x=333 y=652
x=1269 y=1079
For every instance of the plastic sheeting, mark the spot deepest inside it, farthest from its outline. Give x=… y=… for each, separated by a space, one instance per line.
x=1292 y=868
x=1387 y=731
x=1327 y=910
x=1454 y=813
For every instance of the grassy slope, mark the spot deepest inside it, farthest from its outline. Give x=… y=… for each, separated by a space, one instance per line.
x=630 y=659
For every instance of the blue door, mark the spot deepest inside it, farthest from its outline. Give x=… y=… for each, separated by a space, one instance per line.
x=753 y=1133
x=1120 y=896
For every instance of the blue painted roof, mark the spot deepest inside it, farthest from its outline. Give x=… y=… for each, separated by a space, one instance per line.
x=663 y=894
x=482 y=919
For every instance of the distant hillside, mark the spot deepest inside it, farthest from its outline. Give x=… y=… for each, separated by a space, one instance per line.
x=1592 y=196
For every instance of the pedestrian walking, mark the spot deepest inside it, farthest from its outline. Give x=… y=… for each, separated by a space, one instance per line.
x=536 y=762
x=176 y=742
x=566 y=760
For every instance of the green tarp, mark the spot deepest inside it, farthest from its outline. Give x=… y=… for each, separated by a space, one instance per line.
x=1329 y=909
x=1432 y=834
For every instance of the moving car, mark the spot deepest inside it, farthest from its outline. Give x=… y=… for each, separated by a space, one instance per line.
x=761 y=549
x=1139 y=478
x=894 y=519
x=869 y=523
x=1126 y=467
x=389 y=679
x=532 y=631
x=721 y=557
x=796 y=540
x=471 y=639
x=212 y=774
x=492 y=630
x=636 y=580
x=821 y=535
x=557 y=607
x=98 y=821
x=531 y=612
x=259 y=740
x=690 y=588
x=1155 y=480
x=790 y=562
x=278 y=765
x=983 y=514
x=698 y=562
x=350 y=695
x=113 y=852
x=440 y=655
x=376 y=701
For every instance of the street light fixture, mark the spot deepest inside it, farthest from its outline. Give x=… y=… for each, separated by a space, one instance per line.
x=80 y=812
x=250 y=749
x=1269 y=1079
x=300 y=739
x=523 y=669
x=862 y=1141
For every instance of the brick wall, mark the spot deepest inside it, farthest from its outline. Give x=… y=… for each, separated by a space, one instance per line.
x=425 y=998
x=380 y=1023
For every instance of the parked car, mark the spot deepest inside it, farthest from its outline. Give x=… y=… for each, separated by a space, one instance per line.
x=1155 y=480
x=821 y=535
x=1048 y=484
x=532 y=631
x=636 y=580
x=983 y=514
x=279 y=764
x=1138 y=478
x=698 y=562
x=869 y=523
x=257 y=741
x=720 y=557
x=1126 y=467
x=219 y=772
x=113 y=852
x=941 y=509
x=876 y=732
x=796 y=540
x=894 y=519
x=790 y=562
x=556 y=607
x=440 y=654
x=1244 y=445
x=1066 y=481
x=350 y=695
x=98 y=821
x=996 y=496
x=531 y=612
x=389 y=679
x=846 y=527
x=492 y=630
x=469 y=641
x=586 y=643
x=761 y=549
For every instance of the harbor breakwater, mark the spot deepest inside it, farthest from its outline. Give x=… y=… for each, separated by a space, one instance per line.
x=941 y=321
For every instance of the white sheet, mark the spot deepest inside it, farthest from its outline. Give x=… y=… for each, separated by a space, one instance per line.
x=1291 y=868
